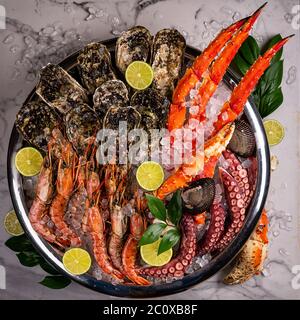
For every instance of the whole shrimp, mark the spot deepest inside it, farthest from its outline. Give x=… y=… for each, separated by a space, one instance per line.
x=64 y=188
x=129 y=254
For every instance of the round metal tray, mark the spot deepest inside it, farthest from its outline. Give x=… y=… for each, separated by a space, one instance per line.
x=216 y=264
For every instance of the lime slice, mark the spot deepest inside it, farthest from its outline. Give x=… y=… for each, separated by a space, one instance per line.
x=12 y=224
x=149 y=254
x=28 y=161
x=139 y=75
x=274 y=131
x=77 y=261
x=150 y=175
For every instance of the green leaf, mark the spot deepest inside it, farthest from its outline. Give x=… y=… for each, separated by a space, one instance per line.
x=48 y=268
x=270 y=44
x=55 y=282
x=19 y=244
x=241 y=64
x=272 y=78
x=156 y=207
x=169 y=240
x=152 y=233
x=29 y=259
x=175 y=208
x=250 y=50
x=270 y=102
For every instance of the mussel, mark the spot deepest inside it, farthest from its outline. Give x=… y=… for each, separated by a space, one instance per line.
x=94 y=66
x=167 y=59
x=36 y=120
x=58 y=89
x=111 y=93
x=132 y=45
x=243 y=139
x=198 y=196
x=82 y=125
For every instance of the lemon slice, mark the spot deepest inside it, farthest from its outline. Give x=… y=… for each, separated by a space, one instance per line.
x=274 y=131
x=77 y=261
x=28 y=161
x=150 y=256
x=150 y=175
x=139 y=75
x=12 y=224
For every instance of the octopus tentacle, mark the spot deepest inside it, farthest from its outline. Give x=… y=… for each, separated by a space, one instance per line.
x=177 y=266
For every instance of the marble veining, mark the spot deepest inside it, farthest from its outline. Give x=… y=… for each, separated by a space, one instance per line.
x=42 y=31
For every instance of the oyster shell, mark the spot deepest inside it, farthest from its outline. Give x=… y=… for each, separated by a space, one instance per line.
x=243 y=139
x=198 y=196
x=152 y=106
x=167 y=59
x=35 y=121
x=58 y=89
x=82 y=125
x=132 y=45
x=94 y=66
x=111 y=93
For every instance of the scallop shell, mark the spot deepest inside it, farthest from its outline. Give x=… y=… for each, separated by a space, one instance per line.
x=243 y=139
x=167 y=59
x=94 y=66
x=58 y=89
x=198 y=196
x=132 y=45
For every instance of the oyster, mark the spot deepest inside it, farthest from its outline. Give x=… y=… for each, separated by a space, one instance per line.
x=111 y=93
x=35 y=121
x=94 y=66
x=152 y=106
x=57 y=88
x=82 y=125
x=198 y=196
x=132 y=45
x=243 y=139
x=167 y=59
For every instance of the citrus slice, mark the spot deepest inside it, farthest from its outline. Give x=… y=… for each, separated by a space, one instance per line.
x=12 y=224
x=139 y=75
x=150 y=256
x=77 y=261
x=150 y=175
x=28 y=161
x=274 y=131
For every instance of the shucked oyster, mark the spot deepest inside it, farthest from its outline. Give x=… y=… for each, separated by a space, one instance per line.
x=94 y=66
x=132 y=45
x=57 y=88
x=82 y=125
x=111 y=93
x=167 y=59
x=35 y=120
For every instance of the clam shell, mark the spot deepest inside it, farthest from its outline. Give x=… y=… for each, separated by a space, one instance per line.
x=132 y=45
x=198 y=196
x=243 y=139
x=35 y=121
x=167 y=59
x=94 y=66
x=58 y=89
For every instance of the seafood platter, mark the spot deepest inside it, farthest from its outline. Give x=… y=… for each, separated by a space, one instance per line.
x=150 y=228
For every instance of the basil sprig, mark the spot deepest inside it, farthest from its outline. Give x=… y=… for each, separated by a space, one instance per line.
x=28 y=257
x=168 y=225
x=267 y=94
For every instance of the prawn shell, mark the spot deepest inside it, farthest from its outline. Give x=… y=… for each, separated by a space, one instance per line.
x=133 y=45
x=58 y=89
x=35 y=121
x=94 y=66
x=243 y=139
x=167 y=60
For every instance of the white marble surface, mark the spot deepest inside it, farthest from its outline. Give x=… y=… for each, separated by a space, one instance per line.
x=39 y=31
